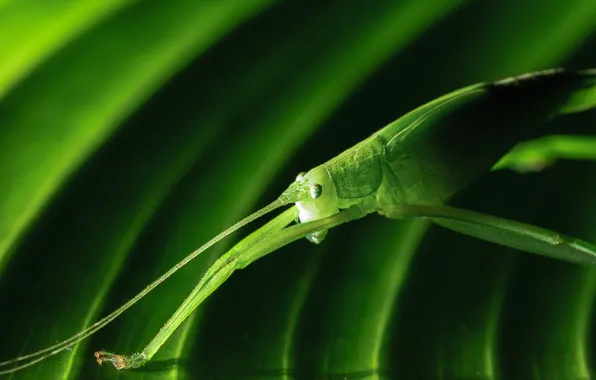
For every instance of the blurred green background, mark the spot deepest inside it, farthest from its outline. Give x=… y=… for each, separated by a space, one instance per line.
x=133 y=131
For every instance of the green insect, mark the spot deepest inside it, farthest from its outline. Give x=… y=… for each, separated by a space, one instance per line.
x=409 y=169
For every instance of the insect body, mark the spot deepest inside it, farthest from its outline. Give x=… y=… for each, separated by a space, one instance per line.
x=418 y=159
x=410 y=168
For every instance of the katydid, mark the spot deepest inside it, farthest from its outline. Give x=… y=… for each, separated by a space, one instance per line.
x=409 y=169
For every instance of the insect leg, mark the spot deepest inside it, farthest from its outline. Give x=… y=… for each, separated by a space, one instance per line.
x=211 y=280
x=526 y=237
x=265 y=240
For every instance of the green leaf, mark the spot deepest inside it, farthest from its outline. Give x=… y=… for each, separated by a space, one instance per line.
x=68 y=124
x=132 y=132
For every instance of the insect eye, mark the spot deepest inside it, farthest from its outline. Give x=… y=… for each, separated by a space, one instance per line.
x=300 y=176
x=316 y=191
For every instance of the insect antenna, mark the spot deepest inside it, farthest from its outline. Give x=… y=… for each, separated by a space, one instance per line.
x=45 y=353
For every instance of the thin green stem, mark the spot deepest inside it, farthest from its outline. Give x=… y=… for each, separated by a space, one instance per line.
x=536 y=155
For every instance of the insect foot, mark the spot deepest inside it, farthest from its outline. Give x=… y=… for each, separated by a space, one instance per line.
x=120 y=361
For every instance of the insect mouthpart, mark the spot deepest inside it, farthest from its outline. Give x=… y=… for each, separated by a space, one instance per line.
x=296 y=192
x=317 y=237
